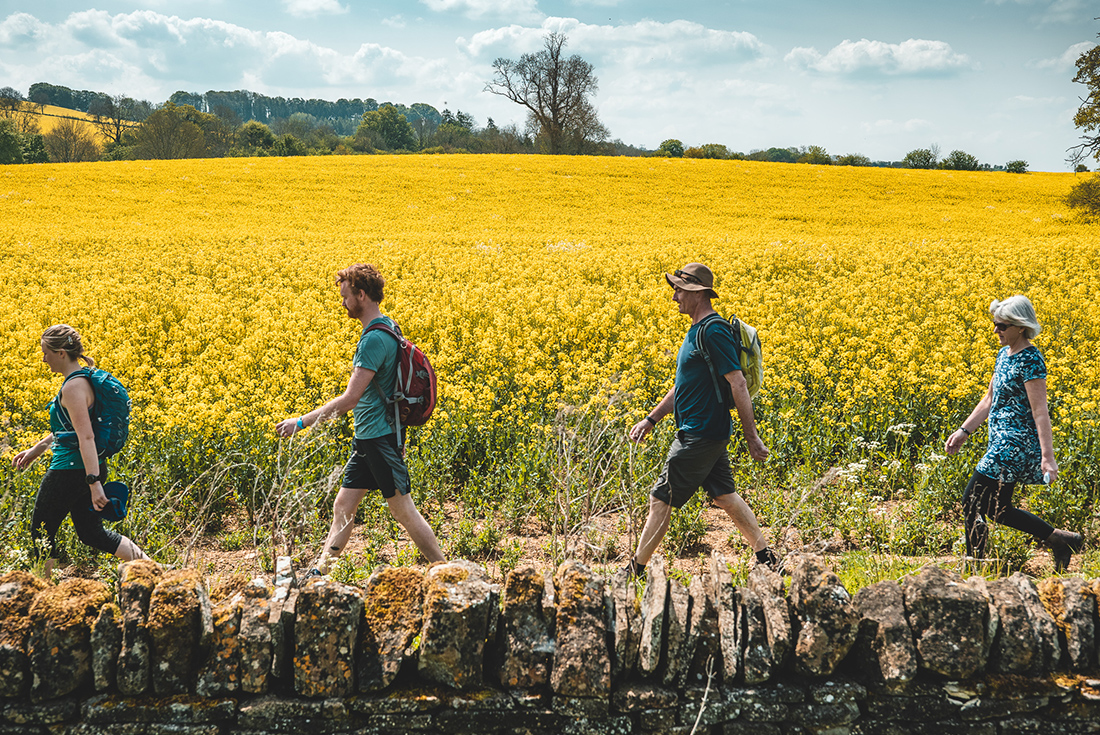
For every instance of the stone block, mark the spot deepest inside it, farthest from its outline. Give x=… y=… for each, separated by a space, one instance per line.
x=393 y=614
x=220 y=670
x=1027 y=642
x=257 y=648
x=275 y=715
x=884 y=647
x=457 y=598
x=55 y=712
x=756 y=661
x=637 y=697
x=719 y=705
x=827 y=620
x=135 y=587
x=106 y=642
x=654 y=603
x=768 y=586
x=280 y=621
x=1071 y=602
x=59 y=643
x=676 y=657
x=17 y=592
x=526 y=651
x=326 y=628
x=180 y=625
x=624 y=620
x=582 y=663
x=727 y=605
x=180 y=710
x=703 y=648
x=949 y=621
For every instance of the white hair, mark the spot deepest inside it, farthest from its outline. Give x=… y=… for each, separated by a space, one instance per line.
x=1016 y=310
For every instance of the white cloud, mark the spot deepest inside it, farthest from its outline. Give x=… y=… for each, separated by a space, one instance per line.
x=521 y=10
x=311 y=8
x=596 y=3
x=639 y=44
x=891 y=128
x=915 y=57
x=1067 y=61
x=394 y=21
x=145 y=52
x=1052 y=12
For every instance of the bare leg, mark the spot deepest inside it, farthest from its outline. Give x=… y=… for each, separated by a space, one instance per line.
x=343 y=523
x=129 y=551
x=743 y=517
x=655 y=528
x=405 y=513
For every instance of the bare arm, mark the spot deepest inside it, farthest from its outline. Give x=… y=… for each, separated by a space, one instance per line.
x=24 y=459
x=338 y=406
x=76 y=398
x=743 y=402
x=663 y=408
x=976 y=418
x=1037 y=397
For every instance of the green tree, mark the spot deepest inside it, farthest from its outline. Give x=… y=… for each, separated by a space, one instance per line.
x=34 y=148
x=71 y=141
x=816 y=155
x=959 y=161
x=386 y=126
x=255 y=136
x=1016 y=167
x=1087 y=117
x=1085 y=197
x=556 y=91
x=672 y=147
x=169 y=134
x=11 y=146
x=920 y=158
x=853 y=159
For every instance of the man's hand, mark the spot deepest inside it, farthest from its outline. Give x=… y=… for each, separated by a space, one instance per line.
x=287 y=427
x=757 y=450
x=639 y=430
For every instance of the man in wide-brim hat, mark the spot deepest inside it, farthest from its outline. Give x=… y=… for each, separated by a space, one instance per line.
x=697 y=457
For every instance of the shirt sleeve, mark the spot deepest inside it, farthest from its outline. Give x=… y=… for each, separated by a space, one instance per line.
x=1033 y=367
x=371 y=351
x=722 y=348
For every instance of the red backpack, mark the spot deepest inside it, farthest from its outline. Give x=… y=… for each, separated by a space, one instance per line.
x=414 y=390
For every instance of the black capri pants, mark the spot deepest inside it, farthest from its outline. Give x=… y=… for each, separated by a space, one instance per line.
x=64 y=493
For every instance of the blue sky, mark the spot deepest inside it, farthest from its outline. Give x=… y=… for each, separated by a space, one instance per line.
x=991 y=78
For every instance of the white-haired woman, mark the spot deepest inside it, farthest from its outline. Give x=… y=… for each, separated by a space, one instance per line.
x=1021 y=448
x=73 y=484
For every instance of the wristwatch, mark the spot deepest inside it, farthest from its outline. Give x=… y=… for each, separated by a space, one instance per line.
x=91 y=479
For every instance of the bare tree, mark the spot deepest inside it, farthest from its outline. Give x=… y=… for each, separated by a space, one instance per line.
x=114 y=116
x=556 y=91
x=71 y=141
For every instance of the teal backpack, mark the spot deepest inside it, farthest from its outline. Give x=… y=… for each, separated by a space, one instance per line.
x=749 y=350
x=110 y=414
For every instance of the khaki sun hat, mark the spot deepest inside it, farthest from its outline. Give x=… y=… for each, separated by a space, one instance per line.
x=693 y=277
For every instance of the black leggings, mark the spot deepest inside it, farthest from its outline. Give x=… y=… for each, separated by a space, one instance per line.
x=64 y=492
x=988 y=498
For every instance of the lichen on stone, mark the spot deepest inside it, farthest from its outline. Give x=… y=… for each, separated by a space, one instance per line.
x=72 y=603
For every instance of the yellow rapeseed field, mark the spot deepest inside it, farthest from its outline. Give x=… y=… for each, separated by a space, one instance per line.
x=207 y=285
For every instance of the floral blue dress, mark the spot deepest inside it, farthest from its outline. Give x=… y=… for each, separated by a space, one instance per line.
x=1014 y=454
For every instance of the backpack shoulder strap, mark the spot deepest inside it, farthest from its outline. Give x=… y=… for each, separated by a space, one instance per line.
x=701 y=347
x=62 y=413
x=390 y=400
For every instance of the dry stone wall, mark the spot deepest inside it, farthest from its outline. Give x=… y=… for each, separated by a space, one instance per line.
x=563 y=651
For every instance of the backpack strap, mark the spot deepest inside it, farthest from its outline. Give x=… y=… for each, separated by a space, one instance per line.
x=395 y=332
x=62 y=414
x=701 y=347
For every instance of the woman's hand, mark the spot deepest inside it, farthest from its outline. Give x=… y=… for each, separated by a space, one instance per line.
x=1050 y=470
x=955 y=442
x=99 y=498
x=26 y=458
x=287 y=427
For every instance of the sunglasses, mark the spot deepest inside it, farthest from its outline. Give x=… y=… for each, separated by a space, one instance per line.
x=1001 y=326
x=688 y=277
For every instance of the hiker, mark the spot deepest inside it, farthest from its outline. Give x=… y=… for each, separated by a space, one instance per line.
x=698 y=455
x=376 y=461
x=1021 y=448
x=73 y=484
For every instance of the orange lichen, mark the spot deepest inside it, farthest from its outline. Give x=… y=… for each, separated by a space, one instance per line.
x=72 y=603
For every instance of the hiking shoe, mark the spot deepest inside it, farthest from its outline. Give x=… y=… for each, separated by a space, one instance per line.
x=634 y=569
x=1062 y=544
x=771 y=560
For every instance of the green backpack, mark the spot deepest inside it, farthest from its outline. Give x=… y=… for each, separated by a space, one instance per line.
x=110 y=414
x=750 y=352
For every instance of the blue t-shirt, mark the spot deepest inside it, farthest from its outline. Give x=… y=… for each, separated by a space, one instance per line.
x=698 y=410
x=1014 y=453
x=376 y=351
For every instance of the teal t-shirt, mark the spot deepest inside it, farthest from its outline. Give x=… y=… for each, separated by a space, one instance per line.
x=376 y=351
x=62 y=457
x=698 y=410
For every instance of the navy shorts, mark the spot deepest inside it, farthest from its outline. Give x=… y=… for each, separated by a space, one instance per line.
x=694 y=462
x=376 y=464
